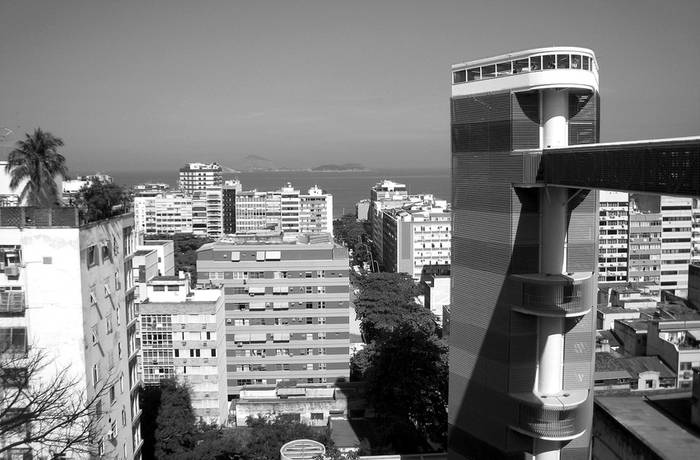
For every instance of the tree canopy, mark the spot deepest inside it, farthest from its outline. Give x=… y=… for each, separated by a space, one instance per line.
x=185 y=246
x=355 y=235
x=101 y=200
x=35 y=161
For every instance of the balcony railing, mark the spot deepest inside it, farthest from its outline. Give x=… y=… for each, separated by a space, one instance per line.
x=555 y=295
x=12 y=302
x=558 y=417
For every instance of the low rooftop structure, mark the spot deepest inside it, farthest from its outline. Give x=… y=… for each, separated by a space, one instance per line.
x=632 y=427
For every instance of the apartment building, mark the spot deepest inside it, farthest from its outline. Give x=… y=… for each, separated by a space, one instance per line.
x=677 y=343
x=182 y=336
x=644 y=265
x=164 y=214
x=286 y=209
x=207 y=212
x=385 y=194
x=67 y=290
x=415 y=236
x=676 y=243
x=200 y=176
x=286 y=303
x=229 y=191
x=150 y=189
x=165 y=253
x=613 y=242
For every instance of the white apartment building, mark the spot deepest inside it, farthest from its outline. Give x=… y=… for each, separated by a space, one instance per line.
x=166 y=213
x=695 y=255
x=67 y=291
x=614 y=237
x=182 y=336
x=676 y=243
x=285 y=209
x=316 y=211
x=416 y=235
x=200 y=176
x=207 y=212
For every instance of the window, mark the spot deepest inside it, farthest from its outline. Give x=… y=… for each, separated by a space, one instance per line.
x=548 y=61
x=159 y=288
x=112 y=395
x=575 y=61
x=474 y=74
x=521 y=65
x=213 y=352
x=177 y=353
x=95 y=375
x=109 y=324
x=94 y=335
x=504 y=68
x=91 y=257
x=488 y=71
x=562 y=61
x=536 y=63
x=459 y=76
x=235 y=256
x=649 y=384
x=106 y=252
x=173 y=288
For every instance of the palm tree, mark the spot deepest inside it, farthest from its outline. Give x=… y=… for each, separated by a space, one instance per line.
x=35 y=161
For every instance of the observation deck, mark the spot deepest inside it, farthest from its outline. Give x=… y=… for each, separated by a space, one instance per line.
x=555 y=295
x=558 y=417
x=534 y=69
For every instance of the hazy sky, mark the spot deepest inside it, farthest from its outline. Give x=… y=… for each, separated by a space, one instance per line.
x=150 y=85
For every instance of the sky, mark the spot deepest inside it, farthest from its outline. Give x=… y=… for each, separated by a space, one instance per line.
x=150 y=85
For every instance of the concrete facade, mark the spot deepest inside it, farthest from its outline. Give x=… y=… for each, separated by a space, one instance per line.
x=182 y=336
x=613 y=242
x=676 y=243
x=78 y=291
x=163 y=214
x=286 y=307
x=523 y=258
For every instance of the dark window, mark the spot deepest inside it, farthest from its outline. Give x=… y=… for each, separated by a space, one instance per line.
x=91 y=256
x=488 y=71
x=159 y=288
x=575 y=61
x=459 y=77
x=562 y=61
x=474 y=74
x=504 y=68
x=548 y=61
x=536 y=63
x=520 y=65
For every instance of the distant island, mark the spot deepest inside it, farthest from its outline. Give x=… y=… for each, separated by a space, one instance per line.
x=342 y=167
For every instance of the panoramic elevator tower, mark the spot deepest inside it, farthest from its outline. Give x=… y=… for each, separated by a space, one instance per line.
x=523 y=257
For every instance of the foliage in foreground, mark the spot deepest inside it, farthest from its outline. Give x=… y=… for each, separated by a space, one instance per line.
x=102 y=200
x=404 y=364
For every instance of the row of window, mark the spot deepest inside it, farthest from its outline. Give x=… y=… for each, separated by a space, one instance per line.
x=524 y=65
x=274 y=321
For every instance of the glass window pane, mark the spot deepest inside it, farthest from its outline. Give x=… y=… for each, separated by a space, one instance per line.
x=521 y=65
x=586 y=63
x=488 y=71
x=474 y=74
x=459 y=77
x=536 y=63
x=562 y=61
x=548 y=61
x=504 y=68
x=575 y=61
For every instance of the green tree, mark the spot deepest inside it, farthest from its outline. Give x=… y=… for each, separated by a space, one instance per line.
x=36 y=160
x=175 y=422
x=101 y=200
x=185 y=246
x=407 y=380
x=386 y=300
x=266 y=436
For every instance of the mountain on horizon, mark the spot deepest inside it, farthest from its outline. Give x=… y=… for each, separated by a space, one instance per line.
x=255 y=163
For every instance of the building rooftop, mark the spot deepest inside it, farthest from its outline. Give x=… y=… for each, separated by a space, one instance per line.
x=660 y=433
x=271 y=237
x=609 y=336
x=616 y=310
x=639 y=325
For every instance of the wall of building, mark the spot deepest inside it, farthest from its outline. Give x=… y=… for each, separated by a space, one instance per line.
x=286 y=309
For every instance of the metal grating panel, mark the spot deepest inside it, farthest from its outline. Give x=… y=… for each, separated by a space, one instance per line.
x=526 y=120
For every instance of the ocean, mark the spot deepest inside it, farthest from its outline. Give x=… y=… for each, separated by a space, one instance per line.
x=347 y=187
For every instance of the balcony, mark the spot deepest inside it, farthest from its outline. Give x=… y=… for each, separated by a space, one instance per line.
x=555 y=295
x=12 y=302
x=559 y=417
